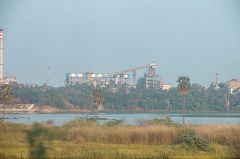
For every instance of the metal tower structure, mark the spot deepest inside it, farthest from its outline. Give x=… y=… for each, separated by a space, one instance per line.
x=134 y=79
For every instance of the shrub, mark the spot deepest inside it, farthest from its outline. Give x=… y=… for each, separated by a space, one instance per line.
x=165 y=121
x=36 y=138
x=186 y=130
x=228 y=135
x=113 y=122
x=193 y=141
x=49 y=122
x=81 y=122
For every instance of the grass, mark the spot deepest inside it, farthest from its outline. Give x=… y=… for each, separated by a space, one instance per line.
x=120 y=134
x=87 y=139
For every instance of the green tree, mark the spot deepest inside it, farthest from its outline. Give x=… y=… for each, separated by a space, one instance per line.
x=6 y=95
x=184 y=88
x=126 y=98
x=97 y=98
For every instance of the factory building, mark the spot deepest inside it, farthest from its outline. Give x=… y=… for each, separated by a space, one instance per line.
x=151 y=79
x=101 y=79
x=233 y=85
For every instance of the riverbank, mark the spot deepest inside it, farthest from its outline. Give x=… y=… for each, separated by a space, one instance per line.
x=35 y=109
x=46 y=109
x=85 y=138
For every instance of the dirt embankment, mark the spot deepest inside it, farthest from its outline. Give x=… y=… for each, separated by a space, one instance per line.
x=32 y=108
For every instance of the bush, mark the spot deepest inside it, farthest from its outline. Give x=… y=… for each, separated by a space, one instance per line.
x=35 y=138
x=165 y=121
x=81 y=122
x=113 y=122
x=186 y=130
x=227 y=135
x=193 y=141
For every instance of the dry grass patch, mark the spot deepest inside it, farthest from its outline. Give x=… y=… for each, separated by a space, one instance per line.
x=123 y=134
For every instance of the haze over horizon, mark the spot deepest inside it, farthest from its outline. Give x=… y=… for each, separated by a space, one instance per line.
x=192 y=38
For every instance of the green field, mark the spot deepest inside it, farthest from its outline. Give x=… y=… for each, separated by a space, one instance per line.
x=84 y=138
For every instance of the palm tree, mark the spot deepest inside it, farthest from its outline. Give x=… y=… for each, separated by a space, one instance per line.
x=183 y=87
x=97 y=98
x=6 y=95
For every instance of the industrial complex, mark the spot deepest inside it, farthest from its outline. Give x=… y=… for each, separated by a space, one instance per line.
x=151 y=79
x=233 y=85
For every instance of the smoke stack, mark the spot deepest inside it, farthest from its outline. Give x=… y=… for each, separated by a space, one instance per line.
x=1 y=54
x=217 y=81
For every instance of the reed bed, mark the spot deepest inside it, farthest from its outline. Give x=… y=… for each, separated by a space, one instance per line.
x=227 y=135
x=92 y=140
x=123 y=134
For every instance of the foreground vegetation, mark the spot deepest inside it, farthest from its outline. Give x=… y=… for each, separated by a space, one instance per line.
x=86 y=138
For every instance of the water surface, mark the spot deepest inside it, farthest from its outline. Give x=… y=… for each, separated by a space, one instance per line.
x=129 y=118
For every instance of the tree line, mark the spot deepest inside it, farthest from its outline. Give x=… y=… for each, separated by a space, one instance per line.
x=125 y=98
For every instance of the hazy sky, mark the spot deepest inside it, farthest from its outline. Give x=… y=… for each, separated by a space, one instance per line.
x=196 y=38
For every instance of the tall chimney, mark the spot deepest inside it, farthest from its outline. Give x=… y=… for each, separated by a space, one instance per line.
x=1 y=54
x=217 y=81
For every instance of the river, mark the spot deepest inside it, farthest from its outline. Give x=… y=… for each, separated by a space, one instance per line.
x=129 y=118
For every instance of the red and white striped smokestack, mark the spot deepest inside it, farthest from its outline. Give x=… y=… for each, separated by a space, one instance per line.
x=1 y=54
